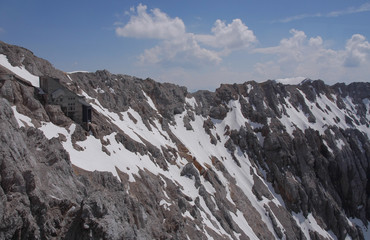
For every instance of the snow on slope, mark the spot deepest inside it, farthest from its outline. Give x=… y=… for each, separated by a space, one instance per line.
x=310 y=224
x=22 y=120
x=365 y=228
x=93 y=158
x=198 y=144
x=196 y=141
x=20 y=71
x=326 y=112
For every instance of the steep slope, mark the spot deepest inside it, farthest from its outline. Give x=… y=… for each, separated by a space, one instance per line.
x=248 y=161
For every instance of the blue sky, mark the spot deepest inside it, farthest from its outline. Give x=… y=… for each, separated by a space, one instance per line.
x=198 y=44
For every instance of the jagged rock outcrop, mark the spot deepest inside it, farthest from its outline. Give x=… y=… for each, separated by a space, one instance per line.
x=19 y=56
x=248 y=161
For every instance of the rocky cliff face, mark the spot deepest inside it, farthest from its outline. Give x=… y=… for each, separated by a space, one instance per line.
x=248 y=161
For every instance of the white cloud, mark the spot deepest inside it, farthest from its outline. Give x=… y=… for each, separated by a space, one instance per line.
x=357 y=51
x=235 y=35
x=310 y=57
x=156 y=25
x=291 y=49
x=315 y=42
x=351 y=10
x=293 y=80
x=181 y=50
x=290 y=61
x=298 y=17
x=179 y=46
x=188 y=57
x=207 y=78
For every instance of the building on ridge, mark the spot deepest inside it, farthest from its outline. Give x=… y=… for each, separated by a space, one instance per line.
x=73 y=106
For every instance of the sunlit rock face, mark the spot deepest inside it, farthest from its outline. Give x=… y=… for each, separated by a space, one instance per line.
x=248 y=161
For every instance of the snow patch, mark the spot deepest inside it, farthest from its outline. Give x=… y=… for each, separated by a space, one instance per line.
x=22 y=120
x=165 y=204
x=365 y=228
x=340 y=143
x=50 y=130
x=150 y=101
x=249 y=88
x=297 y=119
x=235 y=118
x=255 y=125
x=327 y=146
x=99 y=90
x=191 y=101
x=20 y=71
x=310 y=224
x=243 y=224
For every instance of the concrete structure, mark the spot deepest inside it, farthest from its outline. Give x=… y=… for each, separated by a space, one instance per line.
x=74 y=106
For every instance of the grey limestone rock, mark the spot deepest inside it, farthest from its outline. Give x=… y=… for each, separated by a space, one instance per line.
x=191 y=172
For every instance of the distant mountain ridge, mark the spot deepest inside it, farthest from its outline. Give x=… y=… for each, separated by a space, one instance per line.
x=248 y=161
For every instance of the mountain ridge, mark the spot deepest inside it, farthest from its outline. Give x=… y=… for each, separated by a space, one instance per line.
x=248 y=161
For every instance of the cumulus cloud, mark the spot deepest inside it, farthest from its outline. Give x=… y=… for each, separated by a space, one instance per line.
x=288 y=46
x=235 y=35
x=357 y=51
x=179 y=50
x=156 y=25
x=293 y=58
x=176 y=44
x=310 y=57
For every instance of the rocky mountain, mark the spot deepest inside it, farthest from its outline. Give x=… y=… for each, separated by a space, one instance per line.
x=248 y=161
